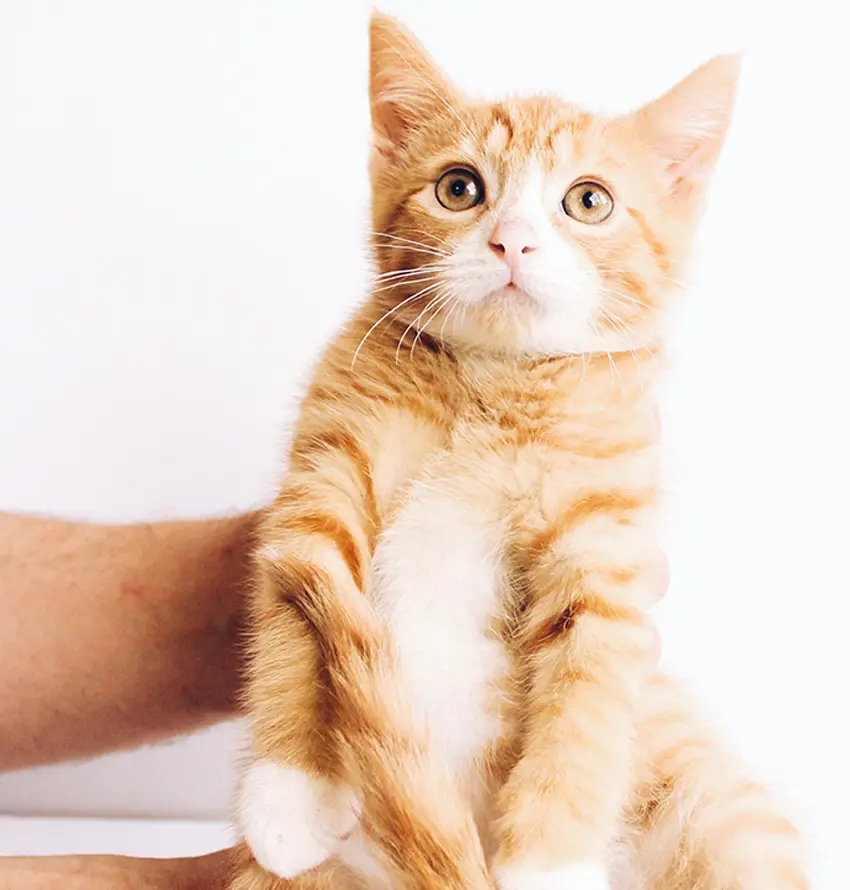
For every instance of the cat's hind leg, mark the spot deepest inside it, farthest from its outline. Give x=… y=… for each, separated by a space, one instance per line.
x=696 y=821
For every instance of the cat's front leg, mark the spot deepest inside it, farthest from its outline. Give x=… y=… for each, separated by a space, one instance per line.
x=294 y=806
x=293 y=819
x=587 y=649
x=335 y=747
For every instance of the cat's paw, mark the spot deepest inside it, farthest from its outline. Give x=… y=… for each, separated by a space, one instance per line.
x=292 y=821
x=573 y=876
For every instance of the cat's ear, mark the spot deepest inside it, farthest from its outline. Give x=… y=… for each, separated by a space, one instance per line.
x=405 y=85
x=686 y=127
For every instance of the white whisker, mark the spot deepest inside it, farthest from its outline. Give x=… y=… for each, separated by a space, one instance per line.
x=402 y=273
x=387 y=314
x=438 y=241
x=412 y=324
x=618 y=325
x=448 y=315
x=405 y=281
x=632 y=347
x=583 y=370
x=445 y=298
x=624 y=299
x=428 y=250
x=407 y=241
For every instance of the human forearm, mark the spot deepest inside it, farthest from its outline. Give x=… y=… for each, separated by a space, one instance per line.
x=114 y=636
x=211 y=872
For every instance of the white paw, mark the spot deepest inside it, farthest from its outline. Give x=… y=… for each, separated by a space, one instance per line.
x=574 y=876
x=292 y=821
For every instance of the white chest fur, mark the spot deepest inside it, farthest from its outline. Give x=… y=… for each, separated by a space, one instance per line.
x=437 y=581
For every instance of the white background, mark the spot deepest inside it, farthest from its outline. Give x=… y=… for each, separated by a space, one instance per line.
x=182 y=209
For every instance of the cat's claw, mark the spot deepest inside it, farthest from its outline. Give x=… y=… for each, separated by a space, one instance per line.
x=292 y=821
x=574 y=876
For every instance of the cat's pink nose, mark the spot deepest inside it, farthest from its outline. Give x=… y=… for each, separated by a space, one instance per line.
x=511 y=240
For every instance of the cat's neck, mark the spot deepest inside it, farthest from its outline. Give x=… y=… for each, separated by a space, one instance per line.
x=587 y=382
x=599 y=388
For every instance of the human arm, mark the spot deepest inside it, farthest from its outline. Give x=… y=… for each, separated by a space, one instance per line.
x=116 y=635
x=208 y=872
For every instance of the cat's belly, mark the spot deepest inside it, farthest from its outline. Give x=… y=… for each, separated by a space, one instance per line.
x=438 y=583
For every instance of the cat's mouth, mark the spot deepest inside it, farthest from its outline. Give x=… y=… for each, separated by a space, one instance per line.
x=513 y=295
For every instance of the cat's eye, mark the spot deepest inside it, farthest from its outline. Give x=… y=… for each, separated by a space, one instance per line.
x=459 y=189
x=588 y=202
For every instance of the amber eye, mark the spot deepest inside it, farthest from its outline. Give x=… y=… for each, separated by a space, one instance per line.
x=588 y=202
x=459 y=189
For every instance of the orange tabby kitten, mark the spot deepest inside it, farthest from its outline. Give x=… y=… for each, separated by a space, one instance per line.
x=451 y=679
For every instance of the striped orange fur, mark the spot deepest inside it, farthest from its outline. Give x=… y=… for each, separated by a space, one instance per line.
x=450 y=675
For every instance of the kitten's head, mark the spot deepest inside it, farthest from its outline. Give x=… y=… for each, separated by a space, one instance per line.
x=530 y=226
